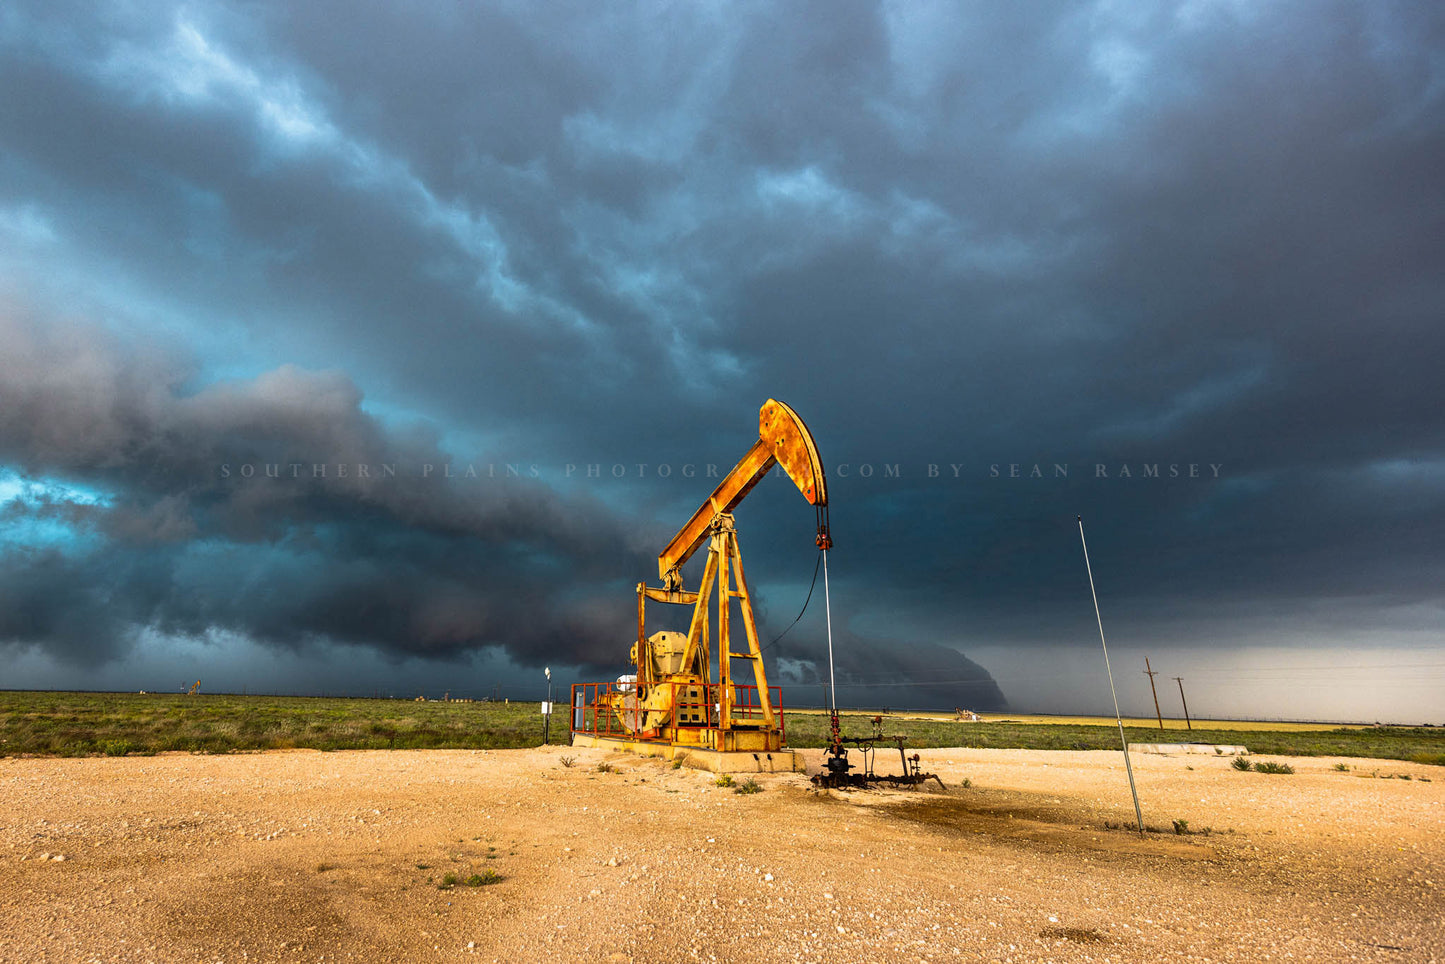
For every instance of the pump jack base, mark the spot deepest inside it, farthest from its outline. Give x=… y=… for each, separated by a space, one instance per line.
x=696 y=758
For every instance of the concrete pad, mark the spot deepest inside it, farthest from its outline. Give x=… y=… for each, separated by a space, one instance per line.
x=697 y=758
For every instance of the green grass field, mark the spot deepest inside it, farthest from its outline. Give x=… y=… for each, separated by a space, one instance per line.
x=1141 y=722
x=116 y=724
x=1422 y=744
x=85 y=724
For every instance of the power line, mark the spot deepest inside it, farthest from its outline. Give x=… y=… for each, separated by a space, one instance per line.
x=1326 y=669
x=816 y=566
x=1053 y=676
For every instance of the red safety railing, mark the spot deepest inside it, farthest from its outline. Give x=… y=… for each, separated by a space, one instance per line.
x=617 y=709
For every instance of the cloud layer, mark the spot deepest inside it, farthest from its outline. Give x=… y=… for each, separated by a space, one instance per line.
x=180 y=529
x=951 y=236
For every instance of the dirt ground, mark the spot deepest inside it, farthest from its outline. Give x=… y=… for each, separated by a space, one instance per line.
x=308 y=856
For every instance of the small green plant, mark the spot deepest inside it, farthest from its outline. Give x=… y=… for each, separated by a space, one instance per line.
x=677 y=763
x=489 y=876
x=967 y=783
x=118 y=747
x=423 y=866
x=1269 y=766
x=448 y=882
x=568 y=761
x=1240 y=763
x=1342 y=767
x=1079 y=935
x=726 y=780
x=748 y=786
x=1182 y=829
x=606 y=768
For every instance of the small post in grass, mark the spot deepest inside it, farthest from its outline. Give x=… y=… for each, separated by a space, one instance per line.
x=547 y=710
x=1138 y=814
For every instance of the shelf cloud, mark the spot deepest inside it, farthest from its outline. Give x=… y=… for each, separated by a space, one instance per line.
x=267 y=270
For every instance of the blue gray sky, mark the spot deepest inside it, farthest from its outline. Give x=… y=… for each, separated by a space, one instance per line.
x=1185 y=258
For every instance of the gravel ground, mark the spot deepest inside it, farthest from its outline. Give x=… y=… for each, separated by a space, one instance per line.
x=308 y=856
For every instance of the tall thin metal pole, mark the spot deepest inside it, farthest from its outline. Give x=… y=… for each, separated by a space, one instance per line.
x=1133 y=791
x=828 y=609
x=1180 y=681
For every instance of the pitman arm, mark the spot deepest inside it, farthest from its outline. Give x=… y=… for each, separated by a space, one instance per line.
x=783 y=440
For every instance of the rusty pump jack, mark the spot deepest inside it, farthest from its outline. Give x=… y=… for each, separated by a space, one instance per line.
x=671 y=701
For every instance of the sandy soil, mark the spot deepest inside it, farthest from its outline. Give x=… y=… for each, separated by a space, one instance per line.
x=307 y=856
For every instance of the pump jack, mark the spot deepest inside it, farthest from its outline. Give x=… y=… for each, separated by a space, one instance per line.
x=672 y=703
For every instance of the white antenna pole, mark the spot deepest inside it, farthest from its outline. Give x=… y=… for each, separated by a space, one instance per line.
x=1138 y=815
x=828 y=608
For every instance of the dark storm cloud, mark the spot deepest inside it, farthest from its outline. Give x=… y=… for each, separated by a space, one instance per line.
x=875 y=671
x=187 y=545
x=194 y=513
x=946 y=234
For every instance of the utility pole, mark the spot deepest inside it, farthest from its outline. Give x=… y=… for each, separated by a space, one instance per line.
x=1149 y=672
x=1184 y=701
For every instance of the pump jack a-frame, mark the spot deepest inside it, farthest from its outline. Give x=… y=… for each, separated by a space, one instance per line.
x=673 y=705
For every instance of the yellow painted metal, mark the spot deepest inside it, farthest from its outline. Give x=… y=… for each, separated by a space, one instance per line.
x=674 y=670
x=784 y=440
x=722 y=529
x=760 y=673
x=794 y=449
